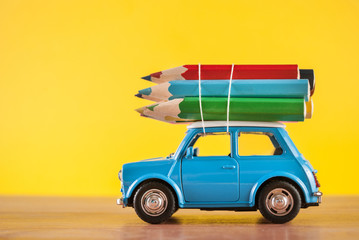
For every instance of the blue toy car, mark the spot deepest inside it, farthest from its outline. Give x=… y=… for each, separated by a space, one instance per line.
x=278 y=180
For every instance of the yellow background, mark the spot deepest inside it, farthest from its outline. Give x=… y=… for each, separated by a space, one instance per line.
x=69 y=70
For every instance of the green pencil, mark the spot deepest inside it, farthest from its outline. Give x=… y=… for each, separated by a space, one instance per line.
x=215 y=109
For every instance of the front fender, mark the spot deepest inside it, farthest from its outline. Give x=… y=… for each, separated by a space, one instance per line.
x=143 y=178
x=273 y=175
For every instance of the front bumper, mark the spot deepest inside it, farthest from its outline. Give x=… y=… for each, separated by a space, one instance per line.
x=120 y=202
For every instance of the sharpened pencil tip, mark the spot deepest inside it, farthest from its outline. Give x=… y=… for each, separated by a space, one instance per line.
x=148 y=78
x=139 y=110
x=138 y=95
x=146 y=91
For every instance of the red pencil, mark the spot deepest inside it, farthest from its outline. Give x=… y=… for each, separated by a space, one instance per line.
x=213 y=72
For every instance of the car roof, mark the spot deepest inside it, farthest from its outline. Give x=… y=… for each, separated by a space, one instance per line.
x=235 y=124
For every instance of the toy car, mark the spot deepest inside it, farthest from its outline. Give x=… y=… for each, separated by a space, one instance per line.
x=277 y=183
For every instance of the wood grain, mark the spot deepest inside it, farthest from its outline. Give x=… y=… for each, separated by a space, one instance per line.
x=100 y=218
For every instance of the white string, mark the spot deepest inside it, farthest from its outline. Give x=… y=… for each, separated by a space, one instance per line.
x=229 y=97
x=200 y=96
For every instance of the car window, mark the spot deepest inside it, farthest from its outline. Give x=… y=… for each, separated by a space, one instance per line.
x=258 y=144
x=213 y=144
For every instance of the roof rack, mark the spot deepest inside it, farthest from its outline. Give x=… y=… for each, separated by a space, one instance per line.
x=236 y=124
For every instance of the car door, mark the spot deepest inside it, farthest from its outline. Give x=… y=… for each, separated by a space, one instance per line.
x=259 y=154
x=211 y=178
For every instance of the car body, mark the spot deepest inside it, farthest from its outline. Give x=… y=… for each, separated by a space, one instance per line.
x=228 y=182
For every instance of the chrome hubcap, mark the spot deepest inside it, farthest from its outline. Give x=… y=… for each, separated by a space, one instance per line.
x=154 y=202
x=279 y=202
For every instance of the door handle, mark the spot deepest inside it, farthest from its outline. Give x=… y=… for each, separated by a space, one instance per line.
x=229 y=167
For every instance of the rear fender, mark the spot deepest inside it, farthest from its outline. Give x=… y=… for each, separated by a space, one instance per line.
x=263 y=179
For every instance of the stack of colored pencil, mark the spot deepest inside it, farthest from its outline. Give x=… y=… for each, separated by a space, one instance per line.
x=257 y=93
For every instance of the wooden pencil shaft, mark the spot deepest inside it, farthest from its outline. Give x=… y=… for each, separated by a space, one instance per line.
x=250 y=109
x=286 y=88
x=214 y=72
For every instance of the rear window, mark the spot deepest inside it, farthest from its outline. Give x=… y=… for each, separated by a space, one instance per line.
x=258 y=144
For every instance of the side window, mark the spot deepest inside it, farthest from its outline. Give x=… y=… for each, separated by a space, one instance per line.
x=258 y=144
x=213 y=144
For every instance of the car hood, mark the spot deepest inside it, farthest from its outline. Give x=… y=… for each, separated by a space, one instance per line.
x=155 y=159
x=159 y=161
x=153 y=166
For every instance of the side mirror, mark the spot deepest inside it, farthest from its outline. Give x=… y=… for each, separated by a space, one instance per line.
x=189 y=153
x=195 y=152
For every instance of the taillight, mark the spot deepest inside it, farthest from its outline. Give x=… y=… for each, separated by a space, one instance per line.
x=316 y=180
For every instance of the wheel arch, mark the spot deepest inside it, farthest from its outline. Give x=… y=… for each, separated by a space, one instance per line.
x=299 y=185
x=161 y=179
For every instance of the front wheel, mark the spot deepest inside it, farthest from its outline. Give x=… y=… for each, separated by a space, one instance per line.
x=279 y=202
x=154 y=202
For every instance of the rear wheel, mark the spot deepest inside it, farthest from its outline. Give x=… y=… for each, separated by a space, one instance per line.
x=279 y=202
x=154 y=202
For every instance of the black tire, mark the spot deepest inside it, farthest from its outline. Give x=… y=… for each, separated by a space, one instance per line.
x=279 y=202
x=161 y=203
x=176 y=209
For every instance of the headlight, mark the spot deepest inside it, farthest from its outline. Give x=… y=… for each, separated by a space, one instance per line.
x=120 y=175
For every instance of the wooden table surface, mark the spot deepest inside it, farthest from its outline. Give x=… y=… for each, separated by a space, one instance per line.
x=101 y=218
